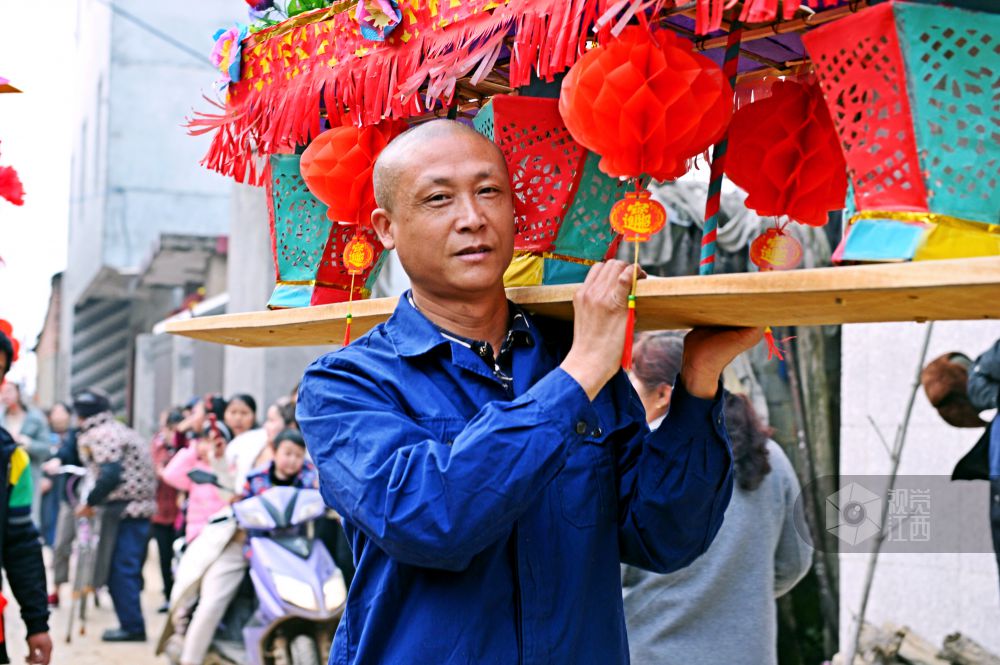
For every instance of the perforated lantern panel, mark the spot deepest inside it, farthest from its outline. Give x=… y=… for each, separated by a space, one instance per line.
x=299 y=232
x=952 y=57
x=586 y=232
x=912 y=90
x=561 y=199
x=860 y=69
x=543 y=160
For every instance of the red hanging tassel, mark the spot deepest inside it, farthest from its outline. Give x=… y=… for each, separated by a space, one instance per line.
x=347 y=330
x=350 y=299
x=3 y=627
x=773 y=346
x=629 y=334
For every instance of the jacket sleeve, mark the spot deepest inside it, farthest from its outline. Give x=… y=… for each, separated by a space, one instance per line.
x=793 y=553
x=175 y=473
x=109 y=477
x=424 y=501
x=68 y=452
x=984 y=379
x=22 y=550
x=40 y=440
x=674 y=484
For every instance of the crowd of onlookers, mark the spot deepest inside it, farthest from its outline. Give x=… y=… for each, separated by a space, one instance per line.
x=95 y=473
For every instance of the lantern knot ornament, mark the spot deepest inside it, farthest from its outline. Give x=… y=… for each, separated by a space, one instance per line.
x=637 y=217
x=775 y=250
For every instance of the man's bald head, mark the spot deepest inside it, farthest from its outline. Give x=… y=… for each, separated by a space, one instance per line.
x=393 y=161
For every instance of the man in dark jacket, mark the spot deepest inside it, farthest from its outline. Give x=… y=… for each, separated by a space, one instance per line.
x=493 y=467
x=20 y=544
x=984 y=393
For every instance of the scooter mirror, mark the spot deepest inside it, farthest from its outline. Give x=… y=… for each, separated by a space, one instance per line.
x=202 y=477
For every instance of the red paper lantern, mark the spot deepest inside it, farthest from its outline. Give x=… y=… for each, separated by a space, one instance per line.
x=646 y=102
x=10 y=186
x=784 y=152
x=337 y=167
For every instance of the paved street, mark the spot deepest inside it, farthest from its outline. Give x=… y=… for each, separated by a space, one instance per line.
x=88 y=649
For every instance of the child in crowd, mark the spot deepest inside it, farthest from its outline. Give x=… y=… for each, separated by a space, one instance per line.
x=204 y=499
x=289 y=467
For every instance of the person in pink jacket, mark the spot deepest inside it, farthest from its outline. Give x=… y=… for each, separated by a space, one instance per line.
x=204 y=499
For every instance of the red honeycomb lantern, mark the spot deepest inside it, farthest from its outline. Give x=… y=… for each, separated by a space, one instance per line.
x=646 y=102
x=337 y=167
x=784 y=151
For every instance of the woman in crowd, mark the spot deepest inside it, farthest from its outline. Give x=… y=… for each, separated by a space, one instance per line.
x=60 y=419
x=30 y=429
x=54 y=486
x=723 y=603
x=255 y=448
x=240 y=415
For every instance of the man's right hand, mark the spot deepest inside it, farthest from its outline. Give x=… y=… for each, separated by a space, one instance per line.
x=600 y=315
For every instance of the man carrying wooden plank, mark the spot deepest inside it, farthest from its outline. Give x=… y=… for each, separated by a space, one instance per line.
x=494 y=468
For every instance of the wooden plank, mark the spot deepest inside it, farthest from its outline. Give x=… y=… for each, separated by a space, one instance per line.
x=961 y=289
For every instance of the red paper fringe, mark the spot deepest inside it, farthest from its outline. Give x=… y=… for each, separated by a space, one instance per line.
x=708 y=13
x=288 y=75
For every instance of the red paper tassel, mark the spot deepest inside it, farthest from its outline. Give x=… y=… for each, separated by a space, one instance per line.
x=629 y=334
x=347 y=331
x=773 y=346
x=3 y=628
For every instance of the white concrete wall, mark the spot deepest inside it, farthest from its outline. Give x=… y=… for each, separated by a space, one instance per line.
x=934 y=594
x=136 y=172
x=155 y=183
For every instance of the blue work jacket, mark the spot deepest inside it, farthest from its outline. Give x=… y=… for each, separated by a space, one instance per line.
x=488 y=527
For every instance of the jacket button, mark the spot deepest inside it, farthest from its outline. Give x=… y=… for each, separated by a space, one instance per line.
x=597 y=432
x=581 y=427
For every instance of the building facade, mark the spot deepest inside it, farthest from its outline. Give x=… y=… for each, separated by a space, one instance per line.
x=140 y=67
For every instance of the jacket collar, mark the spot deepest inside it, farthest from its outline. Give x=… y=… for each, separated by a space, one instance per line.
x=413 y=334
x=410 y=331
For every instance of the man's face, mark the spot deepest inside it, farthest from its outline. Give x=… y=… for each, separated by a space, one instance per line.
x=452 y=217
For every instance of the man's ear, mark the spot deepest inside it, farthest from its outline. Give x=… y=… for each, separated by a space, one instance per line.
x=663 y=395
x=383 y=227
